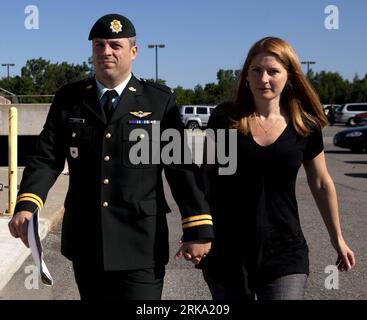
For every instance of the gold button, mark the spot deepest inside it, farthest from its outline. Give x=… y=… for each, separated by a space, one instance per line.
x=108 y=135
x=105 y=204
x=106 y=181
x=106 y=158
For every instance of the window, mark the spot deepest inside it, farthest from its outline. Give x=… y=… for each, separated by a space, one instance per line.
x=201 y=110
x=357 y=107
x=339 y=109
x=189 y=110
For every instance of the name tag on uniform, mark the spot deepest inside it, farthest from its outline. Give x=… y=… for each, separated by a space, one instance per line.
x=76 y=120
x=74 y=153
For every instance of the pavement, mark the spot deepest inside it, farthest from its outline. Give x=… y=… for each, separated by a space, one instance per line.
x=12 y=251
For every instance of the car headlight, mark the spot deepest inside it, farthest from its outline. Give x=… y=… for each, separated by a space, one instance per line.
x=354 y=134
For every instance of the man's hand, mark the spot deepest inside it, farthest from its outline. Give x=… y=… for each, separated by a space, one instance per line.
x=194 y=250
x=18 y=226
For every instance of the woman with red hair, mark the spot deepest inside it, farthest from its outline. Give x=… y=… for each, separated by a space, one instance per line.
x=259 y=248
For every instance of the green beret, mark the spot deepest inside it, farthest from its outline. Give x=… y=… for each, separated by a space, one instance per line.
x=112 y=26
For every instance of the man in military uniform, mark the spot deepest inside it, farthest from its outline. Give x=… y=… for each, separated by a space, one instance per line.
x=114 y=227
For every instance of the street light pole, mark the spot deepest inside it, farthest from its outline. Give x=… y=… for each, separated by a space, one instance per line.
x=156 y=46
x=308 y=64
x=8 y=65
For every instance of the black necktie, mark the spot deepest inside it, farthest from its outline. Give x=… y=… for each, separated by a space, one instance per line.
x=108 y=108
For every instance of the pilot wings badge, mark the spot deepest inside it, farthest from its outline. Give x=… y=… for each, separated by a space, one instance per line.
x=140 y=114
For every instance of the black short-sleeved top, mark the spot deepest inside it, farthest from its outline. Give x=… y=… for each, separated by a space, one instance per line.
x=255 y=215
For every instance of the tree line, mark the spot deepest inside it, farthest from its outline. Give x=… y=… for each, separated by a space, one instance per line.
x=41 y=77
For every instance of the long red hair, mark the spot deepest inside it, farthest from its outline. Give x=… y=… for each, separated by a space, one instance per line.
x=298 y=98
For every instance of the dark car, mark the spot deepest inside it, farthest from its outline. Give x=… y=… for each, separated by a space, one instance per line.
x=354 y=139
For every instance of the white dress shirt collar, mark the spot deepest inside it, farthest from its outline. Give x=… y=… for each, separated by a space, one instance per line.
x=101 y=89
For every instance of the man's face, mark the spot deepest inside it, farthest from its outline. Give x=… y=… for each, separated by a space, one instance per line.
x=112 y=59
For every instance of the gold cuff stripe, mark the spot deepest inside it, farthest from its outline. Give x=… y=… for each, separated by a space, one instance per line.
x=199 y=217
x=196 y=223
x=30 y=197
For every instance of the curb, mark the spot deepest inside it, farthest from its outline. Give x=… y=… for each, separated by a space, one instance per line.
x=14 y=251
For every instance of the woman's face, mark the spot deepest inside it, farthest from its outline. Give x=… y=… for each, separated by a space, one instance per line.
x=267 y=77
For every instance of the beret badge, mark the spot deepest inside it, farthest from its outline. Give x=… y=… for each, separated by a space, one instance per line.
x=116 y=26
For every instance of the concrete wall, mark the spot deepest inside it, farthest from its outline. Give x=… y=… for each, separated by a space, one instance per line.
x=31 y=118
x=4 y=100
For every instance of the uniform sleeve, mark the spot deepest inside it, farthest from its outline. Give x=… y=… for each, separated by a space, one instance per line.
x=314 y=145
x=43 y=168
x=187 y=184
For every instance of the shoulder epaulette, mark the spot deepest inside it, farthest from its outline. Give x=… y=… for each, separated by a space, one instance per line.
x=157 y=86
x=78 y=86
x=78 y=83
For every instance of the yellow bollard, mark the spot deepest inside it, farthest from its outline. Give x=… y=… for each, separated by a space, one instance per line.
x=13 y=158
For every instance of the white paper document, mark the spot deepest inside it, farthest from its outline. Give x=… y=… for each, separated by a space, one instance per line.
x=36 y=248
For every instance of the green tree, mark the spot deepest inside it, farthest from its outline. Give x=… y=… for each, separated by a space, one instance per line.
x=40 y=77
x=184 y=96
x=330 y=86
x=358 y=89
x=212 y=94
x=226 y=83
x=199 y=95
x=48 y=77
x=19 y=86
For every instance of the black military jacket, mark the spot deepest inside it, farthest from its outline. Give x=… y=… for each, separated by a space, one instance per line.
x=115 y=209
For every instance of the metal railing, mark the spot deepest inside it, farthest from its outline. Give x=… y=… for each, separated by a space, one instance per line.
x=7 y=92
x=27 y=98
x=4 y=94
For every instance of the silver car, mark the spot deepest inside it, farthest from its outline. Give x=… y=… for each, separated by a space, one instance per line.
x=346 y=113
x=195 y=117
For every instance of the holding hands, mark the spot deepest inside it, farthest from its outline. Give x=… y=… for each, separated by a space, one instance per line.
x=194 y=251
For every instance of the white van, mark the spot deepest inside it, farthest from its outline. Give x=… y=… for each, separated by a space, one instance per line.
x=347 y=111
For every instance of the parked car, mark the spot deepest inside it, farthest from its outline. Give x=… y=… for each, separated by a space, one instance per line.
x=361 y=119
x=354 y=139
x=345 y=113
x=195 y=117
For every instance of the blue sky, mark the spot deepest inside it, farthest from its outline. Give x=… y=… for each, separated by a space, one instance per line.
x=201 y=36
